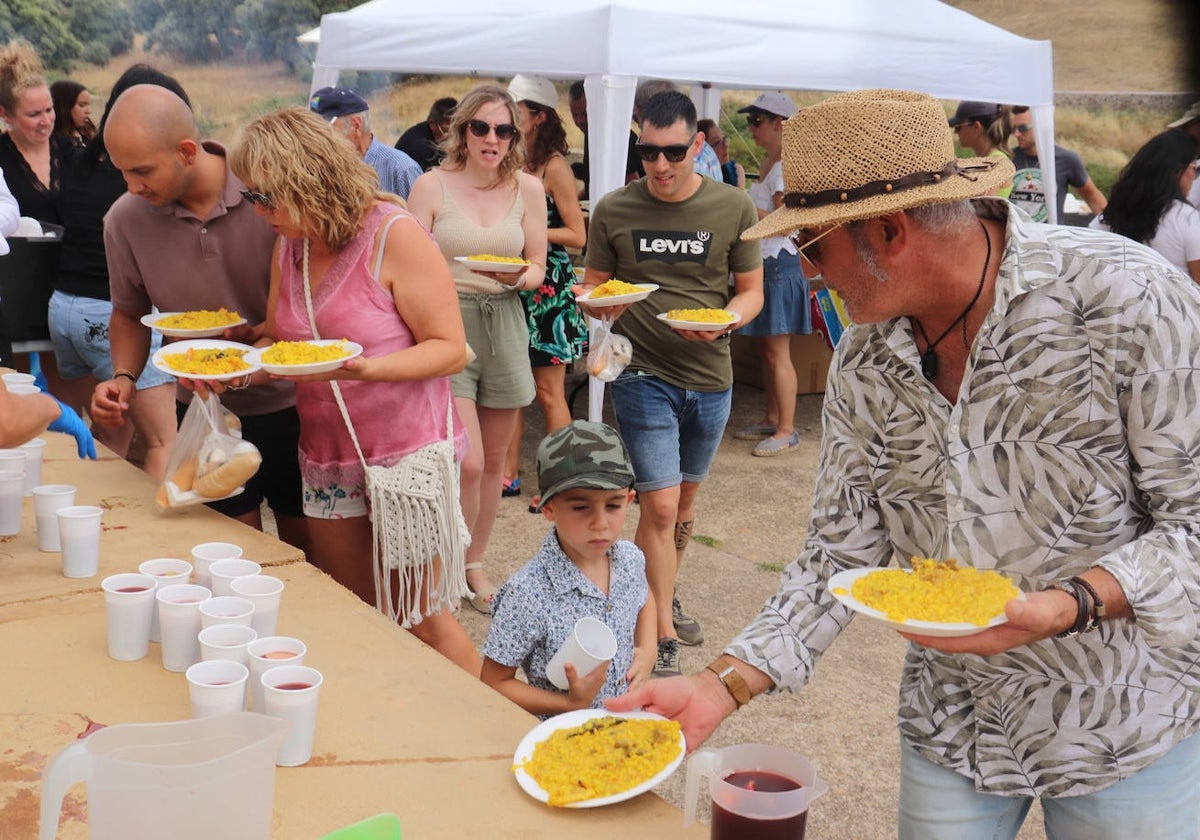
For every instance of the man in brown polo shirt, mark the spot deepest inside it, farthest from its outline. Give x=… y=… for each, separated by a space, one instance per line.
x=183 y=238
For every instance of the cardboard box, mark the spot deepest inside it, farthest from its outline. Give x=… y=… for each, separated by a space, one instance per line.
x=810 y=355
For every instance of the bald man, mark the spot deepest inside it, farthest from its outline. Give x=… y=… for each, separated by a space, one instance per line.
x=183 y=238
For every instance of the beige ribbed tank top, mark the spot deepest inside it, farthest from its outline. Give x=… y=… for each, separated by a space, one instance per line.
x=459 y=236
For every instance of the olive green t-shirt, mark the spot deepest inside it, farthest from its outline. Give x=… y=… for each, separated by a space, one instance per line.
x=689 y=249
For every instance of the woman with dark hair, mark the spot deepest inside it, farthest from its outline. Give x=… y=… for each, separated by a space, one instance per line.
x=479 y=201
x=557 y=331
x=72 y=111
x=1148 y=205
x=984 y=128
x=80 y=307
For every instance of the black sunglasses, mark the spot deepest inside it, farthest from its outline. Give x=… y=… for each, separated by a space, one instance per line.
x=755 y=120
x=673 y=153
x=260 y=199
x=1022 y=129
x=504 y=131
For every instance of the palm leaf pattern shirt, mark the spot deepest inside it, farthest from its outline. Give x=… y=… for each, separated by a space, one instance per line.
x=1073 y=444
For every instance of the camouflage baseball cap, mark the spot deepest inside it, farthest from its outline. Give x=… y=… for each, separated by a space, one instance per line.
x=582 y=454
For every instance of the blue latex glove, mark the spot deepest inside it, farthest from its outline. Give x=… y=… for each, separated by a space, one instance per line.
x=72 y=424
x=39 y=379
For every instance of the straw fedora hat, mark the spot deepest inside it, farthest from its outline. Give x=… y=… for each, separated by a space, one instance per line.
x=869 y=153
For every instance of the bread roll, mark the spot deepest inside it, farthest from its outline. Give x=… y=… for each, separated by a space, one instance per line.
x=225 y=471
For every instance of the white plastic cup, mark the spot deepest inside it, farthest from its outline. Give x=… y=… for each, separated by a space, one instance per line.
x=34 y=451
x=165 y=571
x=590 y=645
x=79 y=538
x=290 y=692
x=128 y=606
x=179 y=621
x=205 y=554
x=264 y=592
x=47 y=499
x=225 y=609
x=228 y=641
x=12 y=483
x=267 y=653
x=11 y=379
x=217 y=687
x=23 y=388
x=223 y=572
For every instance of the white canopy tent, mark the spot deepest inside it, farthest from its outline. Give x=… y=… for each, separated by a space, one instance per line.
x=921 y=45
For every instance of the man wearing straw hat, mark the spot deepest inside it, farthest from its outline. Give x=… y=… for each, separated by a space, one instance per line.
x=1020 y=397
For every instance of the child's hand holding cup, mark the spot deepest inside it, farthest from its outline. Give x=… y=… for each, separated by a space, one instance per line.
x=590 y=645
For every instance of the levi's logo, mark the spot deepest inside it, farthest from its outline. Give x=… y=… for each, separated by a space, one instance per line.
x=672 y=246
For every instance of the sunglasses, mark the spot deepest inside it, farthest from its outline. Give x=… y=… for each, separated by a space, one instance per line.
x=259 y=199
x=809 y=250
x=1023 y=129
x=504 y=131
x=673 y=153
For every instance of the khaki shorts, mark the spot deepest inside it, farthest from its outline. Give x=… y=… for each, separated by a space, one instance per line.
x=500 y=376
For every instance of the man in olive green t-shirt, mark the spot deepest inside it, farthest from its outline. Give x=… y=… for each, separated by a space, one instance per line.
x=683 y=232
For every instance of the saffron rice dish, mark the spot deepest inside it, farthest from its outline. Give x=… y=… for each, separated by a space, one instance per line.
x=207 y=362
x=612 y=288
x=936 y=591
x=200 y=319
x=702 y=316
x=303 y=353
x=602 y=757
x=497 y=259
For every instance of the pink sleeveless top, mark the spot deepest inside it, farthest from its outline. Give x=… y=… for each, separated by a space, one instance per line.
x=391 y=419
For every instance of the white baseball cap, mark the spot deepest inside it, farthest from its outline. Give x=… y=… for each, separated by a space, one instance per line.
x=537 y=89
x=773 y=102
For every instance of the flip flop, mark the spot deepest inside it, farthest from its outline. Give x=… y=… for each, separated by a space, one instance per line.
x=511 y=487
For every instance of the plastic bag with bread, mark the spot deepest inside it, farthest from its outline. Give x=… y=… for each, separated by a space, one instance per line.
x=210 y=461
x=609 y=354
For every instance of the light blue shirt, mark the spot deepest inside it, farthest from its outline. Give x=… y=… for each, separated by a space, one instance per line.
x=397 y=171
x=707 y=163
x=536 y=610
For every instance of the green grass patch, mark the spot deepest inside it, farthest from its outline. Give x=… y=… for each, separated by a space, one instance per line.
x=711 y=542
x=771 y=567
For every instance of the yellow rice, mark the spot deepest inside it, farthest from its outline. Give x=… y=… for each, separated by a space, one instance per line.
x=936 y=591
x=199 y=319
x=612 y=288
x=704 y=316
x=303 y=353
x=602 y=757
x=496 y=258
x=209 y=362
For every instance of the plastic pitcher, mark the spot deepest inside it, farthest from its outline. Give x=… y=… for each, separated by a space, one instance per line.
x=187 y=780
x=759 y=792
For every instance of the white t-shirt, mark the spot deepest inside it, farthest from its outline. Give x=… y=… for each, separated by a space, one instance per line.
x=763 y=192
x=1177 y=237
x=1194 y=192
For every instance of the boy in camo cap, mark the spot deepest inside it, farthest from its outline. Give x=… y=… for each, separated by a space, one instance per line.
x=582 y=569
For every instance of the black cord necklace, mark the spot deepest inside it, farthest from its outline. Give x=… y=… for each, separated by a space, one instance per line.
x=929 y=362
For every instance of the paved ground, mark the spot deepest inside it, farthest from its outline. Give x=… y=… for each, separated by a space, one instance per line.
x=752 y=520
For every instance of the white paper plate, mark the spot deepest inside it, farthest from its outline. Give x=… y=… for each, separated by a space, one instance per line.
x=488 y=265
x=202 y=344
x=254 y=357
x=208 y=332
x=698 y=326
x=617 y=300
x=572 y=719
x=845 y=580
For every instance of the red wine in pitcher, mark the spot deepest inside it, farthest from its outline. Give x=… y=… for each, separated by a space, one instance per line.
x=727 y=825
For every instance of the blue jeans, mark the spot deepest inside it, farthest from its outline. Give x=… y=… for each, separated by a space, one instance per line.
x=672 y=434
x=1161 y=802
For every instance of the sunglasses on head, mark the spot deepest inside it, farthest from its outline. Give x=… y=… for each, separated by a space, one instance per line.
x=259 y=199
x=504 y=131
x=1023 y=129
x=673 y=153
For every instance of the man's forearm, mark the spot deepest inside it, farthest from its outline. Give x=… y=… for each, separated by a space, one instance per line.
x=129 y=340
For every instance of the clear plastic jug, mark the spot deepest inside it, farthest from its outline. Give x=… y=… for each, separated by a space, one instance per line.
x=187 y=780
x=759 y=792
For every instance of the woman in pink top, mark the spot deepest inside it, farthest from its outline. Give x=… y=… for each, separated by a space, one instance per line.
x=373 y=276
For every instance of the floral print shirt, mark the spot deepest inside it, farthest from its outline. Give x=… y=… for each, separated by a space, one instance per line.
x=1074 y=443
x=535 y=611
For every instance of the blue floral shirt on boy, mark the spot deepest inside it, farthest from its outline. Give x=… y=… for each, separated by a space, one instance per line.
x=536 y=610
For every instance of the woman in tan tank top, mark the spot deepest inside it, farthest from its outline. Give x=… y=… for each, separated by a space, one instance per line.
x=480 y=202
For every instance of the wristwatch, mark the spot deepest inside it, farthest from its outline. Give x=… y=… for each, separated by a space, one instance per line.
x=723 y=667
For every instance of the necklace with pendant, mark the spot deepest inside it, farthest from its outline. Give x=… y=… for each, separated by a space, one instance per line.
x=929 y=362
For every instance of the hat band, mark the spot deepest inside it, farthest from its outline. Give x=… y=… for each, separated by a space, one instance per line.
x=796 y=200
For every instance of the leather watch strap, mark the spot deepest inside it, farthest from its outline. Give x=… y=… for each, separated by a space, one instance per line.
x=724 y=668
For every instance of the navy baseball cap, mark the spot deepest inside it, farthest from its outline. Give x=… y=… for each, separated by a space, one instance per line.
x=332 y=102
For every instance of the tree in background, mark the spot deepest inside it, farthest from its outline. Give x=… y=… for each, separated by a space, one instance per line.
x=271 y=27
x=105 y=27
x=46 y=25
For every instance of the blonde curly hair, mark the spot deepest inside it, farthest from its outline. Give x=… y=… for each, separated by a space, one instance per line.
x=454 y=145
x=20 y=70
x=313 y=175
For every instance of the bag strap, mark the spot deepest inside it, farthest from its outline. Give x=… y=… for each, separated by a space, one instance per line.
x=333 y=383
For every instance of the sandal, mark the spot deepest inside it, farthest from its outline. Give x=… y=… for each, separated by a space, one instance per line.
x=511 y=487
x=480 y=601
x=534 y=503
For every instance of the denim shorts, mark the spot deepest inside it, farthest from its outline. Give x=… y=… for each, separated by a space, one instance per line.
x=79 y=332
x=786 y=309
x=672 y=434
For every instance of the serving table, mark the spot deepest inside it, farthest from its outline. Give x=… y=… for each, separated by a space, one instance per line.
x=399 y=727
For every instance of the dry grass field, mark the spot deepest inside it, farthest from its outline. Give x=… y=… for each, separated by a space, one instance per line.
x=1117 y=46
